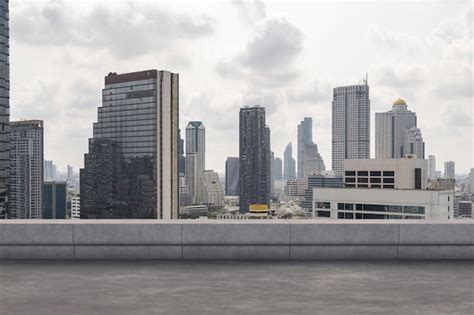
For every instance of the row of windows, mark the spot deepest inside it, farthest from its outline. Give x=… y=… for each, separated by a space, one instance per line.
x=388 y=180
x=381 y=208
x=372 y=173
x=367 y=186
x=372 y=216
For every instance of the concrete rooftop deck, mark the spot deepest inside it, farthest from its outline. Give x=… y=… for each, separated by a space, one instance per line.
x=229 y=287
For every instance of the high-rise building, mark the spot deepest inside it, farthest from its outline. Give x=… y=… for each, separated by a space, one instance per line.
x=195 y=159
x=4 y=105
x=396 y=133
x=131 y=170
x=232 y=176
x=471 y=181
x=449 y=171
x=254 y=157
x=54 y=200
x=181 y=159
x=75 y=200
x=278 y=169
x=212 y=191
x=313 y=161
x=70 y=172
x=431 y=167
x=289 y=169
x=305 y=137
x=26 y=169
x=350 y=125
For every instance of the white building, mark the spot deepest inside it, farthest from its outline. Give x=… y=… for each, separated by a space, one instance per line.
x=212 y=191
x=396 y=133
x=75 y=206
x=404 y=173
x=431 y=167
x=350 y=125
x=349 y=203
x=449 y=171
x=195 y=159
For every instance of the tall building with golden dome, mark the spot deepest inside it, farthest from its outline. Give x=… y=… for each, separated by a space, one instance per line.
x=397 y=134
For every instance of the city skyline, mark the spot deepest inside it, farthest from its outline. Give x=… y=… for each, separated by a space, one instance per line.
x=221 y=89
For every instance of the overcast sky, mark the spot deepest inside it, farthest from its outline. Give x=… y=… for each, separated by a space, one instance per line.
x=286 y=56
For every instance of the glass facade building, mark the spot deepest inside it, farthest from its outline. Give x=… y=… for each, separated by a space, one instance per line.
x=4 y=105
x=54 y=200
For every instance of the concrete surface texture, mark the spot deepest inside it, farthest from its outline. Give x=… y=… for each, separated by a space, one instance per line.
x=223 y=287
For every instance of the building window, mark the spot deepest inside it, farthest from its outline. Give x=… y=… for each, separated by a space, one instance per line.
x=323 y=205
x=362 y=173
x=350 y=180
x=323 y=214
x=388 y=173
x=389 y=180
x=362 y=180
x=350 y=173
x=375 y=173
x=375 y=180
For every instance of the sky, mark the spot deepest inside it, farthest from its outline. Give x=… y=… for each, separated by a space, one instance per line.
x=284 y=55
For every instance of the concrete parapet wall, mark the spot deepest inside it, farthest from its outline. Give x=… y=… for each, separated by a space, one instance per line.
x=247 y=239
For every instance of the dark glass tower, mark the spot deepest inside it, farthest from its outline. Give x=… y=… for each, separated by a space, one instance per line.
x=254 y=158
x=4 y=105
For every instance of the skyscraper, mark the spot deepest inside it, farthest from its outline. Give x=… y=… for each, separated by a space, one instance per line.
x=4 y=105
x=350 y=125
x=431 y=167
x=212 y=192
x=131 y=170
x=55 y=200
x=26 y=169
x=195 y=159
x=232 y=176
x=278 y=169
x=449 y=171
x=254 y=157
x=305 y=137
x=396 y=133
x=313 y=162
x=289 y=169
x=181 y=159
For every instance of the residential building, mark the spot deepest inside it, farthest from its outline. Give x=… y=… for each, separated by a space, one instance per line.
x=75 y=206
x=289 y=170
x=213 y=193
x=449 y=171
x=195 y=159
x=131 y=170
x=278 y=169
x=254 y=158
x=305 y=137
x=404 y=173
x=431 y=167
x=26 y=169
x=232 y=176
x=396 y=133
x=4 y=106
x=350 y=125
x=349 y=203
x=54 y=200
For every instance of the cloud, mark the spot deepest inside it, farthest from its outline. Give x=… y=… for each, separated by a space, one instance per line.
x=250 y=11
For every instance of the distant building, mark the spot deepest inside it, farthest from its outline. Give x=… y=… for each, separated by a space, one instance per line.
x=75 y=206
x=54 y=200
x=4 y=105
x=294 y=190
x=442 y=184
x=465 y=209
x=70 y=172
x=254 y=157
x=278 y=169
x=232 y=176
x=396 y=133
x=213 y=193
x=313 y=162
x=181 y=158
x=131 y=170
x=449 y=171
x=405 y=173
x=319 y=181
x=471 y=181
x=350 y=125
x=26 y=169
x=195 y=159
x=431 y=167
x=289 y=170
x=305 y=137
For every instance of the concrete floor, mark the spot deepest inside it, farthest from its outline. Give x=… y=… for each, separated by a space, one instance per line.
x=343 y=287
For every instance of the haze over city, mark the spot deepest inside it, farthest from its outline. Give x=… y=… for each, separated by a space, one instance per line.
x=285 y=57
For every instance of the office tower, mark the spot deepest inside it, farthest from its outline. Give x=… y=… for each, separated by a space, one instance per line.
x=54 y=200
x=4 y=105
x=431 y=167
x=131 y=170
x=212 y=191
x=289 y=170
x=305 y=137
x=195 y=159
x=449 y=170
x=396 y=133
x=471 y=181
x=181 y=158
x=350 y=125
x=313 y=161
x=278 y=169
x=26 y=169
x=254 y=157
x=232 y=176
x=70 y=172
x=272 y=174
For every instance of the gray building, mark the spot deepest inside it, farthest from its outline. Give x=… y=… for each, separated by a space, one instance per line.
x=305 y=137
x=131 y=170
x=278 y=169
x=396 y=133
x=289 y=169
x=4 y=105
x=254 y=157
x=55 y=200
x=431 y=167
x=181 y=158
x=449 y=170
x=195 y=159
x=350 y=125
x=232 y=176
x=313 y=161
x=317 y=181
x=26 y=169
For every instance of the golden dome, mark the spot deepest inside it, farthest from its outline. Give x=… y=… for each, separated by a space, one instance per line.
x=400 y=101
